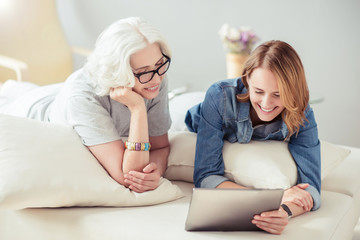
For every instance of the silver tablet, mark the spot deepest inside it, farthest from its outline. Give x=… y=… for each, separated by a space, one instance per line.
x=229 y=209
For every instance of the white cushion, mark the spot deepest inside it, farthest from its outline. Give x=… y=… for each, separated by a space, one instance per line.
x=331 y=156
x=258 y=164
x=178 y=107
x=46 y=165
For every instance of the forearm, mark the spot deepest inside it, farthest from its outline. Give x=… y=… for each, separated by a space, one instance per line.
x=295 y=209
x=110 y=156
x=148 y=178
x=159 y=157
x=138 y=132
x=229 y=184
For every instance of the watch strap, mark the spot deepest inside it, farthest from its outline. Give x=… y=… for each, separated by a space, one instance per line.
x=287 y=209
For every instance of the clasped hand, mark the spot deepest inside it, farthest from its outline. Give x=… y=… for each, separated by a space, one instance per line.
x=143 y=181
x=299 y=196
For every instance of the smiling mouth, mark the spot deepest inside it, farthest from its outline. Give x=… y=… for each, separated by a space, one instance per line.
x=267 y=110
x=152 y=88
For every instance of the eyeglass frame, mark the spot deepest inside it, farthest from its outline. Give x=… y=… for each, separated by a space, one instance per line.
x=138 y=75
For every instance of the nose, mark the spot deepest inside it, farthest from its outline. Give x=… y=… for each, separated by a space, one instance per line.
x=266 y=101
x=157 y=78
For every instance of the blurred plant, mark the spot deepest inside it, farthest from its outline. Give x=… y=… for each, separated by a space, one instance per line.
x=238 y=40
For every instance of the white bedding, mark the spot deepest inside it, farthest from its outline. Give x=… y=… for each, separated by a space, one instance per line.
x=334 y=220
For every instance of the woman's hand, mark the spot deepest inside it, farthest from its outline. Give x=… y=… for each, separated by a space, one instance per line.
x=127 y=96
x=143 y=181
x=273 y=221
x=299 y=196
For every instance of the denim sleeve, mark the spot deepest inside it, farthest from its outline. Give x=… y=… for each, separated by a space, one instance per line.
x=206 y=120
x=305 y=149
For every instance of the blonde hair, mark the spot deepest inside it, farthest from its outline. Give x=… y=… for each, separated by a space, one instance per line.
x=109 y=64
x=282 y=59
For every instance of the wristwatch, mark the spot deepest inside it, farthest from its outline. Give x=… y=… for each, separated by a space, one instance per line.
x=287 y=209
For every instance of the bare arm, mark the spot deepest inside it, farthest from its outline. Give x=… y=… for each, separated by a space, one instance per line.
x=116 y=159
x=137 y=160
x=110 y=156
x=148 y=178
x=229 y=184
x=160 y=152
x=113 y=156
x=138 y=132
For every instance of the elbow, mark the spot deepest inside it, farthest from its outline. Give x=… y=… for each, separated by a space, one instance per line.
x=135 y=161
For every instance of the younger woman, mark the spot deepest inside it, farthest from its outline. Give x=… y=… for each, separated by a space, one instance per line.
x=269 y=102
x=120 y=92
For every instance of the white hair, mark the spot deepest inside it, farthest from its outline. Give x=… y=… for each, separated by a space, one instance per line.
x=109 y=64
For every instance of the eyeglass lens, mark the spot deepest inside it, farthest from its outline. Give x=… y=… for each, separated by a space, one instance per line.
x=146 y=77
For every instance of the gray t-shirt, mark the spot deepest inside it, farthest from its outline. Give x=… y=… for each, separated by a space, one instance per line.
x=97 y=119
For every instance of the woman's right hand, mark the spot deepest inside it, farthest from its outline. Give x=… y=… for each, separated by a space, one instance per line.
x=127 y=96
x=273 y=221
x=299 y=196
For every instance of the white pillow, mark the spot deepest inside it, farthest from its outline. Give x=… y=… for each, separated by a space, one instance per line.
x=178 y=107
x=258 y=164
x=331 y=156
x=46 y=165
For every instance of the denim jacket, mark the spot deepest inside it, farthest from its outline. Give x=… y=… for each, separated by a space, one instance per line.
x=221 y=117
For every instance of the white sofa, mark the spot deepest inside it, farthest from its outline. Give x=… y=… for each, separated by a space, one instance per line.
x=335 y=219
x=54 y=214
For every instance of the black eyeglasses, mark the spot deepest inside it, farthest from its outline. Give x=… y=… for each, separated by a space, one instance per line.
x=145 y=77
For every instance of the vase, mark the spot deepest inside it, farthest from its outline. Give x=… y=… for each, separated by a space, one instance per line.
x=234 y=64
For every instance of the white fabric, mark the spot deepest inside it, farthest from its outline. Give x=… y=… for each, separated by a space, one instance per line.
x=333 y=220
x=46 y=165
x=259 y=164
x=345 y=178
x=179 y=106
x=14 y=89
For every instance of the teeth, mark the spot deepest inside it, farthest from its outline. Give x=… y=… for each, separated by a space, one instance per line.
x=153 y=88
x=267 y=110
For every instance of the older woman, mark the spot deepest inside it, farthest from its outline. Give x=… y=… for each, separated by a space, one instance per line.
x=120 y=92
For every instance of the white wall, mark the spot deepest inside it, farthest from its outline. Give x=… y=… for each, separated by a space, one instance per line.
x=326 y=34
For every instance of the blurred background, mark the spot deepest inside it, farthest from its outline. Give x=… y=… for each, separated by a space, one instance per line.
x=325 y=33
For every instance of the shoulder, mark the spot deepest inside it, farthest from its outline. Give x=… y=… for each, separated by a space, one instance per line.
x=79 y=82
x=310 y=117
x=308 y=132
x=79 y=93
x=78 y=87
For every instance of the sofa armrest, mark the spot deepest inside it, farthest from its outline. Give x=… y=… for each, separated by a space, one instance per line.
x=84 y=52
x=19 y=67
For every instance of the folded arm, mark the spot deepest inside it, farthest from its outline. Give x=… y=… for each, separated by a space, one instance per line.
x=138 y=170
x=148 y=178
